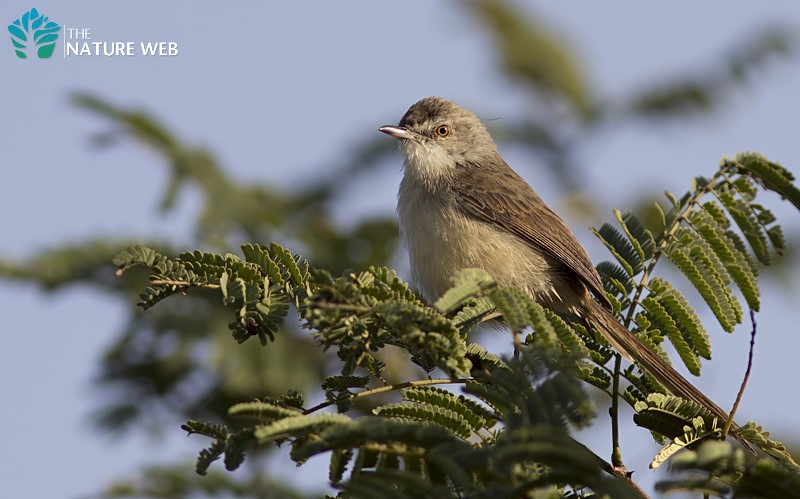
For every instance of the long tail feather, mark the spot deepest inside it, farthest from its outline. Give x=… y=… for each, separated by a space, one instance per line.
x=636 y=351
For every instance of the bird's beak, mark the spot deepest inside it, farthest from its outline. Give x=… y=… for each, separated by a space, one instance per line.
x=398 y=132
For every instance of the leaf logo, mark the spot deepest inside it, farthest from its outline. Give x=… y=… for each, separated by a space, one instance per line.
x=34 y=29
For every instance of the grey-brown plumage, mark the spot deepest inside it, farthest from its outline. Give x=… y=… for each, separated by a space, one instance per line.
x=461 y=206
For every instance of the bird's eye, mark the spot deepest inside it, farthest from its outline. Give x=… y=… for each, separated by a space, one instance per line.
x=442 y=130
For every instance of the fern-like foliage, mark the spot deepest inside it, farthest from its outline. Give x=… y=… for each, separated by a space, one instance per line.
x=720 y=469
x=440 y=442
x=435 y=440
x=719 y=237
x=362 y=312
x=260 y=287
x=504 y=430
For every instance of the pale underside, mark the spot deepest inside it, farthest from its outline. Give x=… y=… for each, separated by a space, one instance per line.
x=441 y=240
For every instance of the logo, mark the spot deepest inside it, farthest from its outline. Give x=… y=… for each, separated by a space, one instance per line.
x=34 y=30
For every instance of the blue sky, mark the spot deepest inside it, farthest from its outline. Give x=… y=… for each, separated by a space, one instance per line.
x=276 y=91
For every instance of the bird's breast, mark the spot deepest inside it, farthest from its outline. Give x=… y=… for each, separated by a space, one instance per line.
x=441 y=240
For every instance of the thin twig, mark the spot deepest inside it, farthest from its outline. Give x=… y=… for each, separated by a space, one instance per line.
x=184 y=284
x=616 y=452
x=739 y=396
x=384 y=389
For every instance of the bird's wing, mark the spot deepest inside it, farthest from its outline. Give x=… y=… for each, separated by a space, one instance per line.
x=524 y=214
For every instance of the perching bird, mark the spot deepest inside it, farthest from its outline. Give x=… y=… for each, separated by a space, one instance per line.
x=461 y=206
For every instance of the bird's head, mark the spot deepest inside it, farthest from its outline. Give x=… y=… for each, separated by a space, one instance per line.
x=440 y=138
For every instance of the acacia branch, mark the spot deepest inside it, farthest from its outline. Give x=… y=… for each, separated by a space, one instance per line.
x=390 y=388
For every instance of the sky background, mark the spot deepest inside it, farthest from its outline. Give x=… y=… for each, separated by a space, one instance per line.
x=276 y=91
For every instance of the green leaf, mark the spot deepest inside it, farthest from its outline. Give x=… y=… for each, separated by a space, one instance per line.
x=512 y=303
x=735 y=261
x=775 y=234
x=621 y=247
x=339 y=382
x=393 y=484
x=298 y=425
x=296 y=267
x=697 y=265
x=571 y=342
x=615 y=279
x=727 y=470
x=467 y=284
x=340 y=458
x=140 y=255
x=716 y=212
x=684 y=315
x=747 y=222
x=473 y=413
x=595 y=375
x=659 y=316
x=756 y=435
x=668 y=415
x=429 y=414
x=772 y=175
x=208 y=456
x=374 y=429
x=641 y=238
x=363 y=312
x=692 y=435
x=262 y=411
x=473 y=313
x=260 y=256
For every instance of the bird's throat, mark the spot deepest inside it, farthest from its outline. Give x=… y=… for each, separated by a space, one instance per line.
x=428 y=165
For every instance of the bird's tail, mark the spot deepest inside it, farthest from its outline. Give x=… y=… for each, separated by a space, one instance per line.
x=634 y=350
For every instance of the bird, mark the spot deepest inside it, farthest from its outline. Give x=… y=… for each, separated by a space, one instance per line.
x=460 y=205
